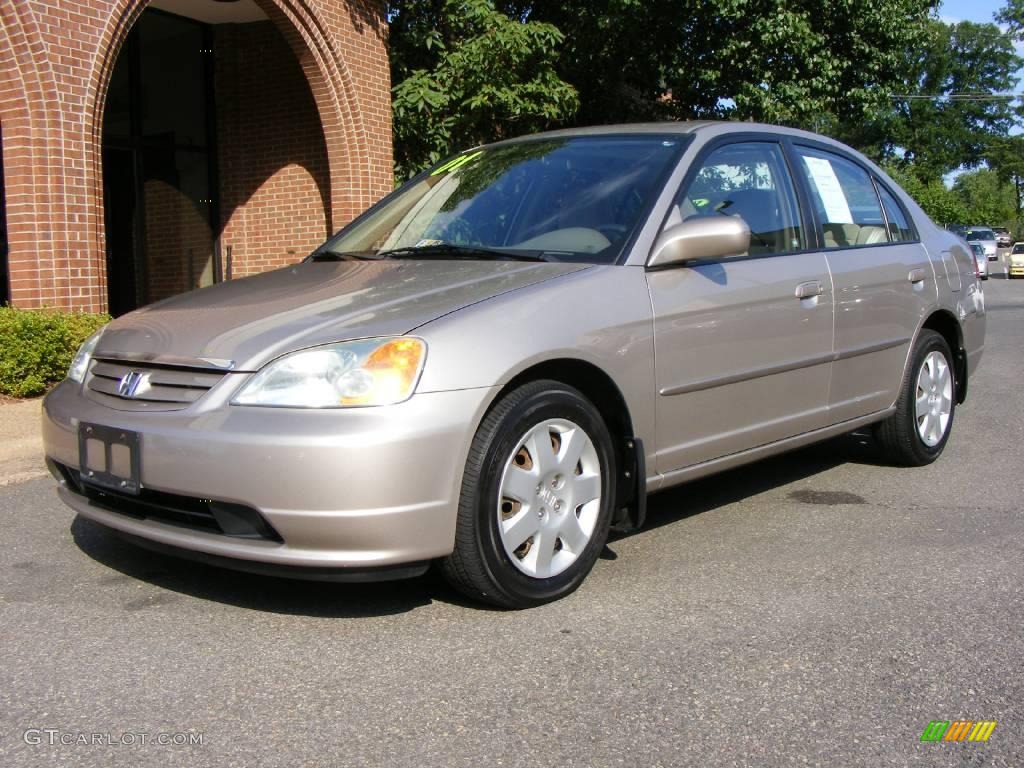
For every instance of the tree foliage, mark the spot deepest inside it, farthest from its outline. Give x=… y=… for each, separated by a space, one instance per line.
x=987 y=198
x=1012 y=16
x=941 y=203
x=1006 y=158
x=887 y=76
x=948 y=117
x=796 y=62
x=465 y=74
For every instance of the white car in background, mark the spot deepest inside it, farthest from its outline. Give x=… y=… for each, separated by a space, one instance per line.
x=980 y=258
x=986 y=237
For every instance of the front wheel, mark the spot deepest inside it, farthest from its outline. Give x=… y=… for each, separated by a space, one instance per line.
x=537 y=498
x=917 y=432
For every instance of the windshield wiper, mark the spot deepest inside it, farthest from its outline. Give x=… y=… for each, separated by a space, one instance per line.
x=327 y=255
x=451 y=250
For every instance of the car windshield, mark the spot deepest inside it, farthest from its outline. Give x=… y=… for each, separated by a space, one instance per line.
x=1018 y=248
x=566 y=199
x=978 y=249
x=980 y=234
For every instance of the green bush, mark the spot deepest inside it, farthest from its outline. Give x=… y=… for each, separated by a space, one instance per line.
x=36 y=347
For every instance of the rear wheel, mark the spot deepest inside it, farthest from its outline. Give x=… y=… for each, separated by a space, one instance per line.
x=917 y=432
x=537 y=498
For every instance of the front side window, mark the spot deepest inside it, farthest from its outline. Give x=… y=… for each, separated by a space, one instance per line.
x=849 y=212
x=749 y=180
x=568 y=199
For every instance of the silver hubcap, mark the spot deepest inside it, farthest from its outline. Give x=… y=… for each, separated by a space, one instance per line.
x=934 y=398
x=549 y=498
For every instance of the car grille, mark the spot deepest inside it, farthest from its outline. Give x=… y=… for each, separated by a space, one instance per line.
x=163 y=387
x=208 y=515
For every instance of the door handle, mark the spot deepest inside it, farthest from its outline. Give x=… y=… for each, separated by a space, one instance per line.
x=916 y=275
x=809 y=289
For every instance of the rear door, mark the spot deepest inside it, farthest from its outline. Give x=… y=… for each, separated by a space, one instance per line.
x=883 y=279
x=742 y=346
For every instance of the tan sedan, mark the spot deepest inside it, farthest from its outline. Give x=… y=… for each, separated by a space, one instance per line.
x=497 y=363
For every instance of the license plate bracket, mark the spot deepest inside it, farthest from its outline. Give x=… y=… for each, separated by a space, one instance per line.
x=108 y=457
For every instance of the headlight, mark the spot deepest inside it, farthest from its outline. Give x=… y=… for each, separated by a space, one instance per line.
x=80 y=364
x=353 y=373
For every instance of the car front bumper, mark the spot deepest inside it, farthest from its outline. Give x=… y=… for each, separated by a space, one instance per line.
x=1015 y=269
x=357 y=488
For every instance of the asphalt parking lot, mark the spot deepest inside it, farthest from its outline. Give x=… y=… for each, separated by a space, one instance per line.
x=814 y=609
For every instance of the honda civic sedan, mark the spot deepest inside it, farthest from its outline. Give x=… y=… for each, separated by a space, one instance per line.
x=986 y=238
x=497 y=363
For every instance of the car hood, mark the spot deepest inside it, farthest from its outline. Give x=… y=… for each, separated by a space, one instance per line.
x=242 y=324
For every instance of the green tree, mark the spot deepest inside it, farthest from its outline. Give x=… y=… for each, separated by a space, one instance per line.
x=942 y=204
x=1012 y=15
x=1006 y=158
x=948 y=118
x=466 y=73
x=987 y=198
x=811 y=63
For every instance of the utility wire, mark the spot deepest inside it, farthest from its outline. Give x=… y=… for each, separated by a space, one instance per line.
x=956 y=96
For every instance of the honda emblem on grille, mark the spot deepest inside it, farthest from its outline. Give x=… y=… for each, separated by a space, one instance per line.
x=130 y=383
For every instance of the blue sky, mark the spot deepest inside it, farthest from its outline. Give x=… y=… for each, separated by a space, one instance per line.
x=970 y=10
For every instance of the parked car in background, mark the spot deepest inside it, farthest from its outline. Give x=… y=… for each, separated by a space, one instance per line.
x=494 y=365
x=986 y=237
x=979 y=256
x=1015 y=261
x=1003 y=237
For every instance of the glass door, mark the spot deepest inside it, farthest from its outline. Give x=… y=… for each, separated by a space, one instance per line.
x=159 y=163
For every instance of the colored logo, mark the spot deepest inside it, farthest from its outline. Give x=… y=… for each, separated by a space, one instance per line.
x=958 y=730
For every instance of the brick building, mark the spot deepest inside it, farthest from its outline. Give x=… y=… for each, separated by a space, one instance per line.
x=153 y=146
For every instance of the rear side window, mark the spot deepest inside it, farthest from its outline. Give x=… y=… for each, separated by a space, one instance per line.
x=899 y=229
x=849 y=212
x=749 y=180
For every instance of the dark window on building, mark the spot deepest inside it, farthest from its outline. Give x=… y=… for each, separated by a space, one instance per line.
x=159 y=164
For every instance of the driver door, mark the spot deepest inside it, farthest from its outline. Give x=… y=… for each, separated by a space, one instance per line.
x=742 y=345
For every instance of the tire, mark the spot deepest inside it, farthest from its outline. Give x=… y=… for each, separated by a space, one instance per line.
x=907 y=438
x=553 y=421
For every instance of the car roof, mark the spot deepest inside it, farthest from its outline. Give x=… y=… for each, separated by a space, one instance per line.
x=685 y=127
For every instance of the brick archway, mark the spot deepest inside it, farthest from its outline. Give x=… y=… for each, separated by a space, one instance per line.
x=55 y=138
x=27 y=144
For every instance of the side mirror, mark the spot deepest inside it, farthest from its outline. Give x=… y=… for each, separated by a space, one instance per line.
x=715 y=237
